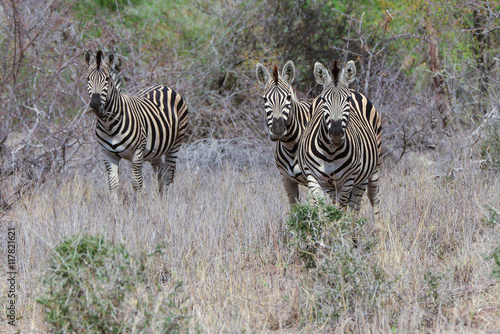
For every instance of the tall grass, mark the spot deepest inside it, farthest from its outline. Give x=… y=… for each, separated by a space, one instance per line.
x=222 y=231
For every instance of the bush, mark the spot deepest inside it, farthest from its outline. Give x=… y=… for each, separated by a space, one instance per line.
x=93 y=286
x=339 y=259
x=307 y=223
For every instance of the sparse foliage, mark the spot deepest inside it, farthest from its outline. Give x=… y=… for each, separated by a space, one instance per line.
x=93 y=286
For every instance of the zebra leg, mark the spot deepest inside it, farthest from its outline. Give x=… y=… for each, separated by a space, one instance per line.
x=169 y=170
x=332 y=193
x=137 y=170
x=342 y=196
x=373 y=192
x=343 y=199
x=315 y=189
x=292 y=189
x=111 y=163
x=350 y=196
x=159 y=168
x=357 y=196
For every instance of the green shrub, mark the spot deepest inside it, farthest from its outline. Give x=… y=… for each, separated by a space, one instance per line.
x=93 y=286
x=339 y=258
x=306 y=223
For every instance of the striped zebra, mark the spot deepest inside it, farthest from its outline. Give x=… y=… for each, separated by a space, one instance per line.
x=138 y=128
x=339 y=153
x=286 y=120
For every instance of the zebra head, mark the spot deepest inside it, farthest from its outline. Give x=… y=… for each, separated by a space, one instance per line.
x=335 y=99
x=278 y=96
x=99 y=79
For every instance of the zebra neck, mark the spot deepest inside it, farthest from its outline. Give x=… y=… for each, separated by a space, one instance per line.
x=113 y=111
x=294 y=128
x=289 y=150
x=112 y=105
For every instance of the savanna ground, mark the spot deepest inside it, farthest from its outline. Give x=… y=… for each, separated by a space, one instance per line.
x=222 y=230
x=430 y=67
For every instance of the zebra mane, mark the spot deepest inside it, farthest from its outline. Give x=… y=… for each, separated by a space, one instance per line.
x=275 y=74
x=98 y=58
x=117 y=79
x=335 y=72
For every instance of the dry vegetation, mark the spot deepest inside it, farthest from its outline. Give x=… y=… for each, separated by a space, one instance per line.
x=222 y=226
x=222 y=232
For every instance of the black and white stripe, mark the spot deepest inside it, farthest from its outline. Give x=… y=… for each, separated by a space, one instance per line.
x=339 y=152
x=286 y=120
x=138 y=128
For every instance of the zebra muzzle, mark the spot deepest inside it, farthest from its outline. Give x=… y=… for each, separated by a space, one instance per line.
x=277 y=129
x=336 y=133
x=95 y=102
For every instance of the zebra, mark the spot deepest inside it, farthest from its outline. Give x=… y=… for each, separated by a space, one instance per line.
x=339 y=152
x=138 y=128
x=286 y=118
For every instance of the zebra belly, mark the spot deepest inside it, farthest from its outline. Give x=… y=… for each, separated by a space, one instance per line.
x=118 y=145
x=121 y=151
x=127 y=152
x=123 y=148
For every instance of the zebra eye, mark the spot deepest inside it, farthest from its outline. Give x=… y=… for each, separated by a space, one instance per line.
x=264 y=99
x=289 y=98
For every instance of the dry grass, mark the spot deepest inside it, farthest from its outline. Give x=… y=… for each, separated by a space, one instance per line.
x=223 y=236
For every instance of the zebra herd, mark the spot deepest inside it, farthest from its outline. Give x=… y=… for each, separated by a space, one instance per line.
x=329 y=145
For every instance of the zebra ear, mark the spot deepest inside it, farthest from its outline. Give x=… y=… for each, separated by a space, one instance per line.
x=288 y=72
x=262 y=74
x=110 y=58
x=321 y=74
x=349 y=72
x=87 y=56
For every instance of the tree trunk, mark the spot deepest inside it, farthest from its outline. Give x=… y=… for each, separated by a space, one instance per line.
x=442 y=96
